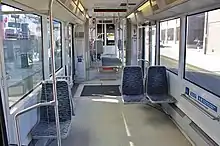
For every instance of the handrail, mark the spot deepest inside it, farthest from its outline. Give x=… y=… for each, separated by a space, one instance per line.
x=143 y=60
x=211 y=116
x=50 y=12
x=67 y=77
x=52 y=103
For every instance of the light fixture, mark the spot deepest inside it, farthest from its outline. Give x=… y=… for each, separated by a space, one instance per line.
x=144 y=6
x=131 y=15
x=80 y=7
x=87 y=16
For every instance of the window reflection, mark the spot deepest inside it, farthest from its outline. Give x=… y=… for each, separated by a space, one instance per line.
x=169 y=44
x=57 y=46
x=203 y=50
x=22 y=53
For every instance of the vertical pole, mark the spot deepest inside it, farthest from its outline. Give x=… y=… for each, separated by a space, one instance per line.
x=86 y=39
x=205 y=38
x=157 y=43
x=122 y=43
x=53 y=74
x=103 y=29
x=150 y=44
x=143 y=49
x=182 y=46
x=96 y=41
x=71 y=52
x=128 y=41
x=119 y=35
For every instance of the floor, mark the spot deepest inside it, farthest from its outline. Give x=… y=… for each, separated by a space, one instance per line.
x=106 y=121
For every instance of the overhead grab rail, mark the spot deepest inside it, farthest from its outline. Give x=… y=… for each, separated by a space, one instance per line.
x=211 y=116
x=54 y=102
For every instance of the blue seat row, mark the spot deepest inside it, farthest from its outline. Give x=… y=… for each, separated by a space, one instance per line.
x=156 y=85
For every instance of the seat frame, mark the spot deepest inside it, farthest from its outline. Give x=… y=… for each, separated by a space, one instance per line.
x=51 y=126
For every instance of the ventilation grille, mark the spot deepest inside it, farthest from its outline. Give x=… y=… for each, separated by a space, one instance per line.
x=79 y=34
x=129 y=4
x=205 y=137
x=110 y=10
x=105 y=21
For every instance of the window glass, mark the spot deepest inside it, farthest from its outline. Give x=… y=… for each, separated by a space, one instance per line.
x=69 y=48
x=101 y=32
x=57 y=45
x=169 y=44
x=147 y=43
x=22 y=53
x=203 y=50
x=110 y=34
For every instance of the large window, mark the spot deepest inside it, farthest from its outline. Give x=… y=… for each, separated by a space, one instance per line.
x=22 y=53
x=57 y=46
x=169 y=44
x=203 y=50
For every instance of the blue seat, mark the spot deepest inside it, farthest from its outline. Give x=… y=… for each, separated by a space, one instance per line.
x=132 y=85
x=46 y=126
x=157 y=85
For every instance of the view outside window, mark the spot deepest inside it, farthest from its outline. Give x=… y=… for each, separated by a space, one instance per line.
x=101 y=32
x=110 y=34
x=147 y=43
x=169 y=44
x=57 y=46
x=22 y=53
x=203 y=50
x=69 y=48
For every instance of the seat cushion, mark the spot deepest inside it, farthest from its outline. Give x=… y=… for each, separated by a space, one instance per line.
x=161 y=98
x=134 y=98
x=45 y=129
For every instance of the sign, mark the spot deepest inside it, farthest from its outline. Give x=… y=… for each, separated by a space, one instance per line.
x=207 y=103
x=201 y=100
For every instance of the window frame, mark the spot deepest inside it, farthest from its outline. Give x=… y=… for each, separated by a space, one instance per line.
x=61 y=44
x=166 y=20
x=42 y=55
x=184 y=69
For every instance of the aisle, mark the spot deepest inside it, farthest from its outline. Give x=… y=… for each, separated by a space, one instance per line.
x=107 y=122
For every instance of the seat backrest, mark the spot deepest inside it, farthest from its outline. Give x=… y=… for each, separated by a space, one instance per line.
x=157 y=80
x=132 y=81
x=99 y=45
x=64 y=104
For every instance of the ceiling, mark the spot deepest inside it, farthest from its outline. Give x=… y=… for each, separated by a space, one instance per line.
x=109 y=4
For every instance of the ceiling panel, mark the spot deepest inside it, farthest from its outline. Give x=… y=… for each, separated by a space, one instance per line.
x=109 y=4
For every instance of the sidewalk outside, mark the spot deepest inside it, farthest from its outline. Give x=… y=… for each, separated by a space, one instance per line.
x=194 y=57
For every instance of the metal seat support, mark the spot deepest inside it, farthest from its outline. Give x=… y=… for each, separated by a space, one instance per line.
x=46 y=127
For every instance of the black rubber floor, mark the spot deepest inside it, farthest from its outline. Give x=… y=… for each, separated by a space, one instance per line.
x=92 y=90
